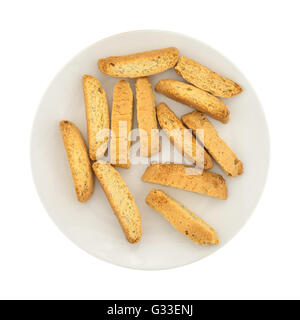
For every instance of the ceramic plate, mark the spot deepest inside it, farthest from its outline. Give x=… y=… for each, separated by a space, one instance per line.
x=92 y=225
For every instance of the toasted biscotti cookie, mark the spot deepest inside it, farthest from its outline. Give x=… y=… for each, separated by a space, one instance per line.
x=182 y=139
x=120 y=199
x=187 y=178
x=206 y=79
x=146 y=117
x=217 y=147
x=121 y=125
x=194 y=97
x=97 y=116
x=181 y=218
x=140 y=64
x=79 y=161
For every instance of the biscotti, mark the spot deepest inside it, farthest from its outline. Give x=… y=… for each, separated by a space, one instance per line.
x=139 y=64
x=182 y=139
x=120 y=199
x=216 y=147
x=79 y=161
x=146 y=117
x=206 y=79
x=181 y=218
x=186 y=178
x=97 y=116
x=121 y=125
x=194 y=97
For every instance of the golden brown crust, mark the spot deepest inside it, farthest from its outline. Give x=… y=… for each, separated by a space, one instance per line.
x=121 y=124
x=187 y=178
x=97 y=116
x=182 y=219
x=120 y=199
x=217 y=147
x=206 y=79
x=140 y=64
x=146 y=117
x=182 y=139
x=195 y=98
x=79 y=161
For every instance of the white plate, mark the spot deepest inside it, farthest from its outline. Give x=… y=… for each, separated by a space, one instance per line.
x=92 y=225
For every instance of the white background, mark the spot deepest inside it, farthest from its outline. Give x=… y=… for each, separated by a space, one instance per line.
x=38 y=38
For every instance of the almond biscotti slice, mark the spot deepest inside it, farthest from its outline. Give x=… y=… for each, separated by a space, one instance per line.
x=140 y=64
x=206 y=79
x=181 y=218
x=216 y=147
x=97 y=116
x=195 y=98
x=182 y=139
x=121 y=125
x=79 y=161
x=187 y=178
x=120 y=199
x=146 y=117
